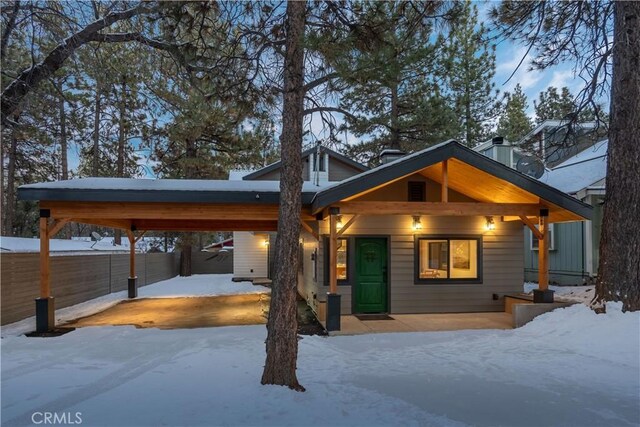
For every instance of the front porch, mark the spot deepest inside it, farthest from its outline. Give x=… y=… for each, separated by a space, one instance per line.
x=352 y=325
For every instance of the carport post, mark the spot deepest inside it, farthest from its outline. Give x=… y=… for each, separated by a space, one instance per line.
x=543 y=293
x=45 y=308
x=333 y=298
x=133 y=280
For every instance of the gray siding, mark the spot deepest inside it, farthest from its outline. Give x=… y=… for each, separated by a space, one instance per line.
x=566 y=260
x=339 y=171
x=502 y=257
x=74 y=279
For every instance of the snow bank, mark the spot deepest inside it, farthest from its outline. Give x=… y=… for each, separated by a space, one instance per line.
x=568 y=367
x=581 y=294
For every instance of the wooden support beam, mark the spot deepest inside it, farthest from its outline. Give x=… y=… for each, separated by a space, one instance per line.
x=538 y=235
x=56 y=226
x=445 y=181
x=347 y=225
x=543 y=253
x=140 y=236
x=333 y=255
x=439 y=208
x=45 y=283
x=184 y=211
x=309 y=230
x=132 y=254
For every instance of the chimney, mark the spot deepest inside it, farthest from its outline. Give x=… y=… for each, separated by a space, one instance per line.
x=502 y=151
x=390 y=154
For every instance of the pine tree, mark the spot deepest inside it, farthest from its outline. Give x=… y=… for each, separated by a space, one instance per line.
x=470 y=64
x=514 y=123
x=552 y=105
x=387 y=68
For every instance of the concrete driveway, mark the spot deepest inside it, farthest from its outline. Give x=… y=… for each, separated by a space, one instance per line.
x=183 y=312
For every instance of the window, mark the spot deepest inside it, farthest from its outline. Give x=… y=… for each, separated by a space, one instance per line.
x=342 y=261
x=533 y=241
x=444 y=259
x=319 y=162
x=417 y=191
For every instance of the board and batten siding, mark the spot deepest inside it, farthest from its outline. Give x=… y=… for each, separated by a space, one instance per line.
x=250 y=255
x=567 y=258
x=502 y=259
x=74 y=278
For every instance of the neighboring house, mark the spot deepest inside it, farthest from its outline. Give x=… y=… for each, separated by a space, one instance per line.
x=554 y=141
x=435 y=231
x=574 y=246
x=253 y=255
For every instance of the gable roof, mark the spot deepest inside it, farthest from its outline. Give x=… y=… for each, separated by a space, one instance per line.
x=434 y=155
x=306 y=153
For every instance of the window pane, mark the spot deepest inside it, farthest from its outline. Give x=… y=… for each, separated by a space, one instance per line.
x=464 y=259
x=434 y=256
x=341 y=260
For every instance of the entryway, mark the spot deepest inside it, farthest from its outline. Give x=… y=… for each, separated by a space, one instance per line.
x=371 y=293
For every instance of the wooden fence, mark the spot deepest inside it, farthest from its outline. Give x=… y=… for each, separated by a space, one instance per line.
x=74 y=279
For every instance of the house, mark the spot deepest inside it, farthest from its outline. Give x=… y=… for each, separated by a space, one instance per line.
x=253 y=255
x=574 y=247
x=439 y=230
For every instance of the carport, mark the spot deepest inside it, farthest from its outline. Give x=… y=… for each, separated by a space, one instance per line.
x=140 y=205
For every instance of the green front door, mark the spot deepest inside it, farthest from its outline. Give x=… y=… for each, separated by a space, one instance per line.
x=371 y=275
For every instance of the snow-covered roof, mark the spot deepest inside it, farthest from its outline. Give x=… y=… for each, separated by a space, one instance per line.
x=23 y=244
x=161 y=190
x=547 y=124
x=238 y=174
x=580 y=171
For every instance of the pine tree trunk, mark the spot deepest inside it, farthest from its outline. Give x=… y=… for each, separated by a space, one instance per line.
x=282 y=326
x=96 y=131
x=64 y=164
x=122 y=138
x=619 y=269
x=185 y=258
x=10 y=202
x=395 y=113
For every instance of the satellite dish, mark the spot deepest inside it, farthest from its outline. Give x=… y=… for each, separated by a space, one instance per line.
x=95 y=236
x=530 y=165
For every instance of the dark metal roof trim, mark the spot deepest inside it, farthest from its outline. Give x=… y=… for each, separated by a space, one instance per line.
x=154 y=196
x=452 y=149
x=275 y=165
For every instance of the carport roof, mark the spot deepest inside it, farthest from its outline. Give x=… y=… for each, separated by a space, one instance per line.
x=161 y=190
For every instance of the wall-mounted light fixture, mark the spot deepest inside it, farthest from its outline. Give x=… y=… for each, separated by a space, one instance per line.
x=266 y=242
x=490 y=225
x=417 y=225
x=338 y=221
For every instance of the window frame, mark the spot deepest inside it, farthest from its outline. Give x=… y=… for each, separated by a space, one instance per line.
x=448 y=281
x=552 y=238
x=325 y=252
x=422 y=186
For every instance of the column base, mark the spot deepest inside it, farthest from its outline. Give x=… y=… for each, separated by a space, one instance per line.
x=333 y=312
x=542 y=296
x=45 y=314
x=133 y=287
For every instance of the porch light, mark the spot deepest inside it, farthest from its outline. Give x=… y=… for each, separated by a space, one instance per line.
x=266 y=242
x=490 y=224
x=339 y=221
x=417 y=225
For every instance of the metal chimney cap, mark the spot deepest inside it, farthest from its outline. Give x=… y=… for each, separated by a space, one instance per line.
x=497 y=140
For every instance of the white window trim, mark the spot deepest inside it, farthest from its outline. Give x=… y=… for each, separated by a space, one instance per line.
x=552 y=238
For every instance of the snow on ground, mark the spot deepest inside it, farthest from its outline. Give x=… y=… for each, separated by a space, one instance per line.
x=568 y=367
x=196 y=285
x=582 y=294
x=62 y=246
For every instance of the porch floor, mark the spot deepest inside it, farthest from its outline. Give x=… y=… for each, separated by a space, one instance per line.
x=351 y=325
